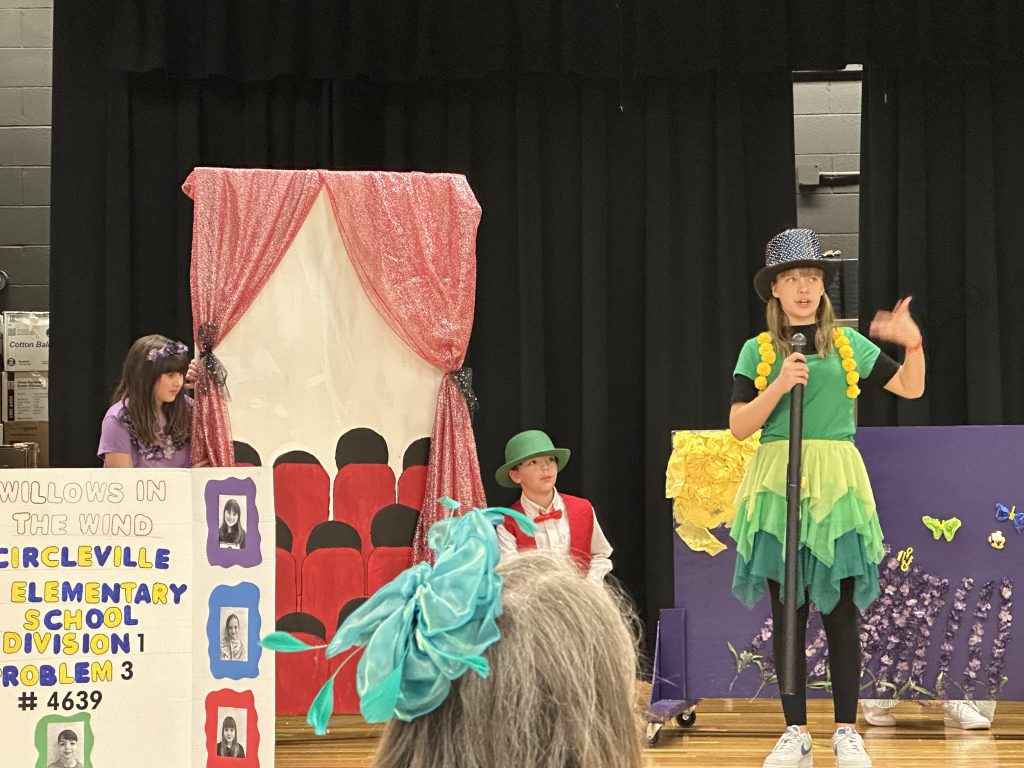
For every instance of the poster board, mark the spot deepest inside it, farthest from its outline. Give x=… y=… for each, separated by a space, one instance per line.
x=130 y=619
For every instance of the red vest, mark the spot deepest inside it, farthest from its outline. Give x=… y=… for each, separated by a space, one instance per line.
x=580 y=514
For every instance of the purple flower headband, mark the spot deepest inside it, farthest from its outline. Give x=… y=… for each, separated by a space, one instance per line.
x=168 y=349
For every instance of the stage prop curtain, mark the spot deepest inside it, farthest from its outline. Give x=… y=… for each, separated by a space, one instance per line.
x=412 y=242
x=942 y=219
x=244 y=222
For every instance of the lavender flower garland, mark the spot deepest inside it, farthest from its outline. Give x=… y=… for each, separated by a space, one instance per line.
x=898 y=635
x=933 y=600
x=887 y=638
x=904 y=629
x=981 y=611
x=995 y=668
x=895 y=633
x=871 y=621
x=956 y=614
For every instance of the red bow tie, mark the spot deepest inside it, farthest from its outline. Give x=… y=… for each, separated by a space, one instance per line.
x=554 y=514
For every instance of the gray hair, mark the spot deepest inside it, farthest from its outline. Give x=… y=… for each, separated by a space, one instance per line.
x=561 y=693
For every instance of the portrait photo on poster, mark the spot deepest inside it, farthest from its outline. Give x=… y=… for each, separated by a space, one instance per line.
x=233 y=627
x=64 y=742
x=232 y=730
x=234 y=722
x=235 y=623
x=232 y=522
x=231 y=533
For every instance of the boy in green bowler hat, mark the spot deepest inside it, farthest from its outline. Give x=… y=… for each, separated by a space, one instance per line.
x=566 y=525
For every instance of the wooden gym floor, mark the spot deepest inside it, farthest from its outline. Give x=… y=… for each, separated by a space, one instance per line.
x=730 y=733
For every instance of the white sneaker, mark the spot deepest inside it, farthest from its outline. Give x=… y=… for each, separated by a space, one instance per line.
x=963 y=714
x=876 y=712
x=792 y=750
x=849 y=749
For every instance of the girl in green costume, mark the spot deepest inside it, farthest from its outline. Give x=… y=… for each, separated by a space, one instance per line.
x=840 y=539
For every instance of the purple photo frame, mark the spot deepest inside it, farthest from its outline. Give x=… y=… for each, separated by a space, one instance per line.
x=251 y=555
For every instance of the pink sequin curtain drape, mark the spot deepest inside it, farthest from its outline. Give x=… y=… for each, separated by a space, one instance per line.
x=244 y=222
x=412 y=241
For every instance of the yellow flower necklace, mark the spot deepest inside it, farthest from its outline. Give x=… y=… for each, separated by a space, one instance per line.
x=767 y=351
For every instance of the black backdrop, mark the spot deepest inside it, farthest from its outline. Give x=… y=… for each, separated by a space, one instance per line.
x=631 y=158
x=942 y=218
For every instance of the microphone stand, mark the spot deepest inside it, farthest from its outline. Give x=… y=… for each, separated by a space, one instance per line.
x=791 y=653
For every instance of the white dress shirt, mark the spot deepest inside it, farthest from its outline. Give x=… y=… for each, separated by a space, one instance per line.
x=553 y=536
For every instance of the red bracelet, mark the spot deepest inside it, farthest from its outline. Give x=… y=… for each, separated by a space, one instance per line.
x=920 y=343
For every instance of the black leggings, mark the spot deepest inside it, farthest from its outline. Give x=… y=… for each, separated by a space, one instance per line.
x=843 y=655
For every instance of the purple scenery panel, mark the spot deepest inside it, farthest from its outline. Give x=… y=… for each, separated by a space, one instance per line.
x=949 y=612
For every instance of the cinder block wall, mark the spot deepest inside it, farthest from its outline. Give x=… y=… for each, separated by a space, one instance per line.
x=827 y=132
x=26 y=51
x=827 y=135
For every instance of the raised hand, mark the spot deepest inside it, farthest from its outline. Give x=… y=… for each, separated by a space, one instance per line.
x=896 y=326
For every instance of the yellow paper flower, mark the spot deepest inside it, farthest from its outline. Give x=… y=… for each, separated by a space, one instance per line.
x=763 y=369
x=703 y=473
x=841 y=340
x=852 y=378
x=768 y=356
x=852 y=391
x=760 y=382
x=849 y=364
x=846 y=352
x=764 y=338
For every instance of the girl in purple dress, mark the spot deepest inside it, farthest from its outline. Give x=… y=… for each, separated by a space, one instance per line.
x=149 y=423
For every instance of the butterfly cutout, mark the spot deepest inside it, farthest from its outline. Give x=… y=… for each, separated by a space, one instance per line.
x=1017 y=518
x=947 y=527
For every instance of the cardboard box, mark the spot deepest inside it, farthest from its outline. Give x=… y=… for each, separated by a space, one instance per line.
x=19 y=456
x=37 y=432
x=27 y=341
x=27 y=396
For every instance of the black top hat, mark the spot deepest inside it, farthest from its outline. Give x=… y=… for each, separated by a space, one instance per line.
x=792 y=249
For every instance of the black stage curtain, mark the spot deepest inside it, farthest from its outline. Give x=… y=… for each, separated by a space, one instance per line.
x=623 y=219
x=469 y=39
x=942 y=219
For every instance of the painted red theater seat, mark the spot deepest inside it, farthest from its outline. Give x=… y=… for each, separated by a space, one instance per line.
x=301 y=499
x=384 y=564
x=298 y=676
x=359 y=491
x=287 y=586
x=330 y=578
x=346 y=698
x=412 y=484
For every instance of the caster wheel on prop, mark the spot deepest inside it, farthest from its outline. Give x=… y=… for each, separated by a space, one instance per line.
x=687 y=718
x=653 y=734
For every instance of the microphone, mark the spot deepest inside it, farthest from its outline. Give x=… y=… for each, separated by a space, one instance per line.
x=791 y=652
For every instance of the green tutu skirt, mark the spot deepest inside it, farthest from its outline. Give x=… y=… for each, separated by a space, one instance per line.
x=839 y=533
